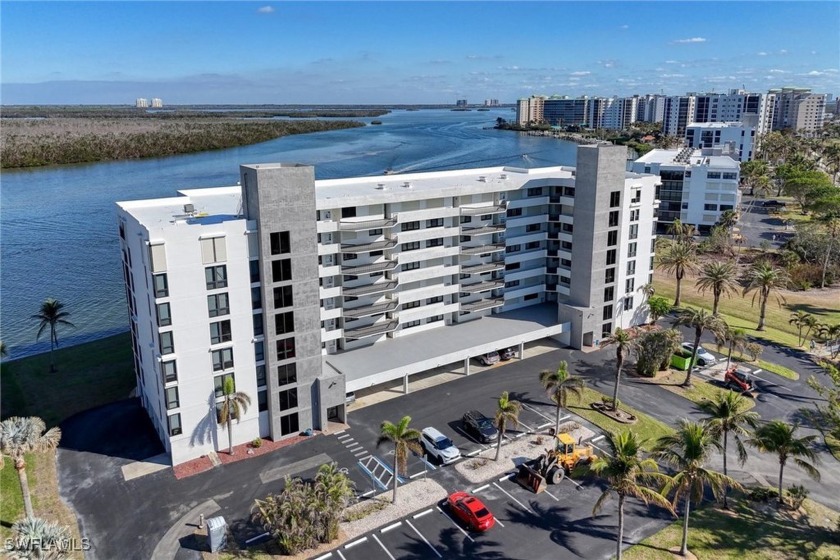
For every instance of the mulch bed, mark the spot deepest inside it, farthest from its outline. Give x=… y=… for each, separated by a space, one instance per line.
x=617 y=415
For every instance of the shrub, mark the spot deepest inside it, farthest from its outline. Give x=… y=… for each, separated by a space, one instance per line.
x=475 y=464
x=763 y=494
x=257 y=443
x=797 y=494
x=754 y=350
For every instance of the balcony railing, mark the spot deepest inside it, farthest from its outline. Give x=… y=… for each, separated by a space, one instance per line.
x=483 y=210
x=371 y=330
x=483 y=304
x=370 y=310
x=375 y=288
x=367 y=268
x=369 y=247
x=484 y=230
x=368 y=224
x=481 y=249
x=482 y=287
x=482 y=268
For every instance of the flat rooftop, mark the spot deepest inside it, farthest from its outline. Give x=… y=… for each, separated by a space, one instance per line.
x=394 y=358
x=668 y=157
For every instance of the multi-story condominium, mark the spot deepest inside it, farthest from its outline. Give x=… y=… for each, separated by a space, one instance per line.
x=741 y=137
x=565 y=111
x=798 y=109
x=620 y=113
x=530 y=109
x=736 y=105
x=650 y=108
x=678 y=113
x=141 y=103
x=598 y=109
x=302 y=290
x=461 y=103
x=491 y=102
x=157 y=102
x=697 y=185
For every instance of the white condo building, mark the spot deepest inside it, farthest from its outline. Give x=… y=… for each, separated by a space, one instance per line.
x=741 y=137
x=303 y=290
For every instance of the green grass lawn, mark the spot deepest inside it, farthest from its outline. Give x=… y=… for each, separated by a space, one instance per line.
x=11 y=504
x=772 y=368
x=749 y=535
x=700 y=390
x=645 y=426
x=88 y=375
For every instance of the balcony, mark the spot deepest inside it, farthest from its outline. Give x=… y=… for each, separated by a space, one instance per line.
x=482 y=287
x=481 y=249
x=375 y=288
x=368 y=268
x=369 y=247
x=368 y=224
x=485 y=230
x=483 y=210
x=482 y=268
x=370 y=310
x=371 y=330
x=482 y=305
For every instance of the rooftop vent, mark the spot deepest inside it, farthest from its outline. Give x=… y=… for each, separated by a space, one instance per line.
x=189 y=209
x=381 y=187
x=407 y=185
x=482 y=178
x=503 y=176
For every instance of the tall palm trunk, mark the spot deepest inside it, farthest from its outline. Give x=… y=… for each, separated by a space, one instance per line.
x=726 y=489
x=20 y=467
x=617 y=381
x=52 y=347
x=679 y=289
x=499 y=441
x=621 y=499
x=716 y=302
x=684 y=545
x=729 y=356
x=765 y=295
x=826 y=261
x=396 y=476
x=557 y=420
x=687 y=382
x=781 y=472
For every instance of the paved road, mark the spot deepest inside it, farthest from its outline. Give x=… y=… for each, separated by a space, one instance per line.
x=758 y=225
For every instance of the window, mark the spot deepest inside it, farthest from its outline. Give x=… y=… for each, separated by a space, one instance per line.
x=349 y=257
x=631 y=267
x=410 y=266
x=710 y=207
x=259 y=351
x=289 y=424
x=261 y=379
x=161 y=285
x=167 y=342
x=256 y=298
x=631 y=250
x=651 y=264
x=531 y=296
x=612 y=238
x=513 y=249
x=411 y=304
x=615 y=199
x=411 y=324
x=254 y=267
x=282 y=297
x=535 y=191
x=217 y=305
x=608 y=312
x=348 y=212
x=281 y=270
x=286 y=349
x=434 y=242
x=262 y=401
x=375 y=232
x=215 y=277
x=532 y=245
x=730 y=176
x=437 y=299
x=258 y=324
x=512 y=284
x=413 y=246
x=349 y=278
x=213 y=250
x=629 y=285
x=567 y=228
x=513 y=212
x=219 y=383
x=175 y=424
x=280 y=243
x=609 y=294
x=637 y=196
x=172 y=398
x=566 y=245
x=435 y=319
x=609 y=276
x=437 y=222
x=533 y=227
x=222 y=359
x=569 y=191
x=220 y=332
x=409 y=226
x=284 y=322
x=628 y=303
x=169 y=371
x=606 y=330
x=634 y=231
x=164 y=317
x=713 y=175
x=466 y=219
x=613 y=219
x=566 y=262
x=634 y=215
x=611 y=256
x=565 y=280
x=157 y=257
x=512 y=266
x=486 y=217
x=287 y=374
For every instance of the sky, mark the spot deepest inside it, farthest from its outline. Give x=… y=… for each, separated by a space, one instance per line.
x=408 y=52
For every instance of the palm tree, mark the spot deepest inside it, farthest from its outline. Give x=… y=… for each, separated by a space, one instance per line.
x=405 y=439
x=732 y=338
x=700 y=320
x=507 y=412
x=19 y=436
x=728 y=414
x=800 y=320
x=623 y=341
x=658 y=307
x=681 y=232
x=335 y=491
x=728 y=219
x=38 y=538
x=678 y=259
x=719 y=277
x=559 y=385
x=780 y=437
x=830 y=336
x=648 y=291
x=234 y=405
x=628 y=475
x=687 y=450
x=765 y=279
x=51 y=315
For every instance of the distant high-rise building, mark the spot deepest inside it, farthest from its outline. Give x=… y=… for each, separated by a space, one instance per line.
x=798 y=109
x=597 y=110
x=650 y=108
x=530 y=109
x=157 y=102
x=491 y=102
x=678 y=113
x=565 y=111
x=141 y=103
x=461 y=103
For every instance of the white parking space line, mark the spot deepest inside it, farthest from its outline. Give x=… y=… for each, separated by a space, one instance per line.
x=357 y=448
x=599 y=438
x=425 y=540
x=537 y=411
x=325 y=556
x=422 y=513
x=340 y=555
x=368 y=493
x=417 y=474
x=579 y=487
x=474 y=453
x=506 y=477
x=499 y=522
x=344 y=437
x=601 y=449
x=480 y=488
x=544 y=426
x=389 y=527
x=512 y=498
x=359 y=453
x=383 y=547
x=354 y=543
x=456 y=525
x=556 y=499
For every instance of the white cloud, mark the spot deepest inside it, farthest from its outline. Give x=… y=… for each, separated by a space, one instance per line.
x=783 y=51
x=691 y=40
x=813 y=52
x=777 y=71
x=625 y=26
x=265 y=10
x=762 y=53
x=672 y=75
x=580 y=73
x=815 y=73
x=670 y=62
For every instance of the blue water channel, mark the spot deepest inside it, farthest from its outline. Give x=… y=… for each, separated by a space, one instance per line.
x=58 y=227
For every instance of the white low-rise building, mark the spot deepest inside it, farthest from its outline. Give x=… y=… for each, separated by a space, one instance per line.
x=740 y=136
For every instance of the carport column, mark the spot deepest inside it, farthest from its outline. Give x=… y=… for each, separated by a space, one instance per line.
x=521 y=350
x=405 y=384
x=466 y=366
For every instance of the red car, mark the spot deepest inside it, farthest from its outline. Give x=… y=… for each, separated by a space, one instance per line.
x=471 y=511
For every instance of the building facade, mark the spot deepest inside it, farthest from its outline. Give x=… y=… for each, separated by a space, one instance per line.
x=303 y=290
x=565 y=111
x=741 y=137
x=798 y=109
x=530 y=110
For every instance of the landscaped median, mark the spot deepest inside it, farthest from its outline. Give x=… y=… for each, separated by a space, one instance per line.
x=699 y=391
